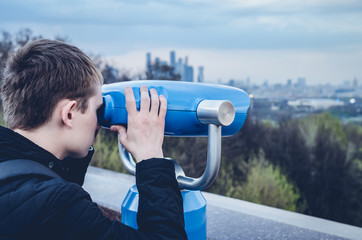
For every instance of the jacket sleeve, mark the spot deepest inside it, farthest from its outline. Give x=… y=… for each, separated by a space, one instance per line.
x=160 y=209
x=160 y=212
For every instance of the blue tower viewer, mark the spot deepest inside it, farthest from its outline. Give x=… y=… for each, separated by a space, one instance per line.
x=193 y=110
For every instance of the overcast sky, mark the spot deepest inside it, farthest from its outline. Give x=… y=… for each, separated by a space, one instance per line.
x=272 y=40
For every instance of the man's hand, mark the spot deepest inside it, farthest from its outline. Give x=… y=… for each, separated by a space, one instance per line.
x=143 y=137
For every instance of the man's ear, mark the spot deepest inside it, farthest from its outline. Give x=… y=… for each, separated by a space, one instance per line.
x=67 y=112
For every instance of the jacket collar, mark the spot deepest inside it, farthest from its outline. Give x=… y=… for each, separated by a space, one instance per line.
x=16 y=146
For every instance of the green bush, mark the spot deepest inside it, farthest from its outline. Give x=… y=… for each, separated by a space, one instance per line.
x=106 y=152
x=265 y=184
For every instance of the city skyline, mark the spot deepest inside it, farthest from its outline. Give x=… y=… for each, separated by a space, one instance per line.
x=180 y=67
x=293 y=69
x=272 y=40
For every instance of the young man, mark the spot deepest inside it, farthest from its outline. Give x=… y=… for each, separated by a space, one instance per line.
x=51 y=92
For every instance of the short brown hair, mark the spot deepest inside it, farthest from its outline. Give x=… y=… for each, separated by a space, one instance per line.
x=39 y=75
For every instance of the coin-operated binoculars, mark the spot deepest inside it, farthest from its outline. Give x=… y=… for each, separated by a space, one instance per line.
x=193 y=110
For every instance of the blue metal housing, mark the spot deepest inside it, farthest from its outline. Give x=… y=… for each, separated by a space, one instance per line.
x=182 y=101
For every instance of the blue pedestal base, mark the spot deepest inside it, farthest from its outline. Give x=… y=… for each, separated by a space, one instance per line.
x=194 y=205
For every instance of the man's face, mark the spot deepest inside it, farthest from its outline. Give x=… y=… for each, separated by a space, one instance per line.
x=86 y=125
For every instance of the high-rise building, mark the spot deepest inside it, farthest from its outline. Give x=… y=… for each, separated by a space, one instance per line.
x=248 y=81
x=157 y=60
x=172 y=59
x=180 y=69
x=301 y=82
x=148 y=61
x=200 y=76
x=231 y=82
x=189 y=73
x=355 y=83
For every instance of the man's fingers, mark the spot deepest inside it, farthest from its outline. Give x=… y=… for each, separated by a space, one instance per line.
x=155 y=102
x=145 y=100
x=122 y=132
x=163 y=107
x=130 y=100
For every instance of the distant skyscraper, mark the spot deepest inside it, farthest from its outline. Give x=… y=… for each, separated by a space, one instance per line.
x=148 y=61
x=189 y=73
x=231 y=82
x=179 y=69
x=301 y=82
x=289 y=83
x=355 y=83
x=157 y=60
x=172 y=59
x=200 y=77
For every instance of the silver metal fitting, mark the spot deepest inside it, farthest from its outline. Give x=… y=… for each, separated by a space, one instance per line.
x=217 y=112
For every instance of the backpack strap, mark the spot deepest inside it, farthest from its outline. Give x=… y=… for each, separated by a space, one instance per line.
x=21 y=167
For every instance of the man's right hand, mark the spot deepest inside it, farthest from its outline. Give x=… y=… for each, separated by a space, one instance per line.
x=144 y=135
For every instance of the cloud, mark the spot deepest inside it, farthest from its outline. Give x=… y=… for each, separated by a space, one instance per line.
x=115 y=27
x=179 y=14
x=110 y=12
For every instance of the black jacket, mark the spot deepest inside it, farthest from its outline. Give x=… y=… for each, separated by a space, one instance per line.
x=36 y=206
